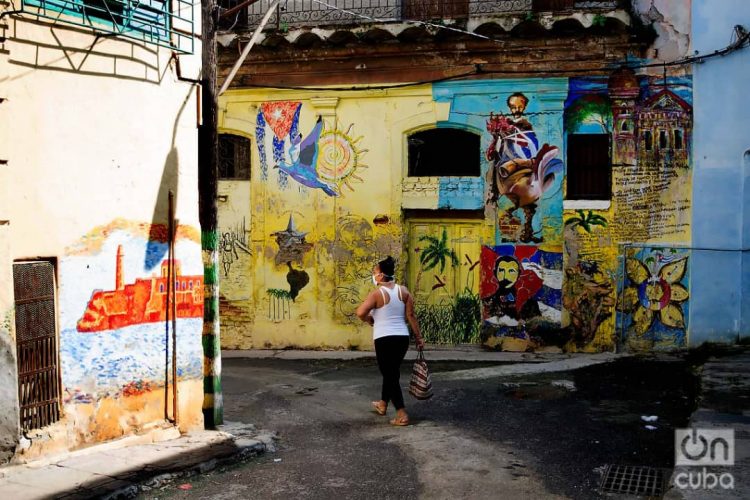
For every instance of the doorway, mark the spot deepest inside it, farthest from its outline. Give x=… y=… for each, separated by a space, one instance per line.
x=442 y=271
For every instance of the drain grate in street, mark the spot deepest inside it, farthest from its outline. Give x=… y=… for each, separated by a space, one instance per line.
x=633 y=480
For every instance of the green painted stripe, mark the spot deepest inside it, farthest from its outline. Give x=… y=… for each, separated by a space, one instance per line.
x=209 y=240
x=210 y=311
x=210 y=275
x=210 y=344
x=213 y=417
x=208 y=385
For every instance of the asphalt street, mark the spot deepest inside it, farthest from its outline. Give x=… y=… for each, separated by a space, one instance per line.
x=546 y=435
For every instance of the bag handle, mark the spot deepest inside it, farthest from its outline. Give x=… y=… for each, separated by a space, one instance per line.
x=420 y=355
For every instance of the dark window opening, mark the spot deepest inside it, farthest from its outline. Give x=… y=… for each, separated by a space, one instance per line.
x=648 y=140
x=624 y=127
x=589 y=167
x=36 y=344
x=663 y=140
x=678 y=139
x=444 y=152
x=234 y=157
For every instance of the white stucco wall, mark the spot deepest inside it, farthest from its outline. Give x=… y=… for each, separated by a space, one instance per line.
x=98 y=131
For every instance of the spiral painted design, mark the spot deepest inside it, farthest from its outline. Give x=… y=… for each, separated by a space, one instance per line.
x=337 y=158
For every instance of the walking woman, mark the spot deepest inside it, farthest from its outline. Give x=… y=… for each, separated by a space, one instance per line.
x=387 y=309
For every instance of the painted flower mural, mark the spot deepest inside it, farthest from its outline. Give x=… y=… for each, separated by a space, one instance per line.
x=655 y=294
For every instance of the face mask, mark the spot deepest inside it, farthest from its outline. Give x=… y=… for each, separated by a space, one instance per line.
x=374 y=281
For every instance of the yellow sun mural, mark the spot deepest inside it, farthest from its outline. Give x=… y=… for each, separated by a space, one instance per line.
x=652 y=293
x=339 y=157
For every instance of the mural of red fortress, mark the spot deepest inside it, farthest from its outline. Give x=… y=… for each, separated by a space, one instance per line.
x=144 y=301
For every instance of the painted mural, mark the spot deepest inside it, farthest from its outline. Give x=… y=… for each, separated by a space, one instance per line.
x=521 y=171
x=112 y=315
x=292 y=244
x=447 y=303
x=649 y=121
x=520 y=122
x=340 y=158
x=521 y=297
x=566 y=261
x=233 y=242
x=590 y=260
x=655 y=298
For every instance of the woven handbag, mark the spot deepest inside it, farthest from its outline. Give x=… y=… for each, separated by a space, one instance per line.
x=420 y=385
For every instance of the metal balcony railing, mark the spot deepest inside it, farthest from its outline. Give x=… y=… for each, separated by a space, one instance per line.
x=167 y=23
x=305 y=13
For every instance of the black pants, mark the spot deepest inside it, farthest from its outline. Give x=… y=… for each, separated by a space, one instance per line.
x=390 y=352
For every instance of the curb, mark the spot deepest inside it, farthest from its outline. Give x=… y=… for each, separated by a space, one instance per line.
x=243 y=448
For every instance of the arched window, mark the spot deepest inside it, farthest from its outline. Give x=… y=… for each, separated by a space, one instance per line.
x=444 y=152
x=624 y=127
x=161 y=288
x=234 y=157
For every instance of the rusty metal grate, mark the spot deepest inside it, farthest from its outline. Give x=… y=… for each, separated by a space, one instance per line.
x=36 y=344
x=633 y=480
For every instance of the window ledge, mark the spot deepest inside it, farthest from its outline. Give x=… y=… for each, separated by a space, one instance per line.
x=586 y=204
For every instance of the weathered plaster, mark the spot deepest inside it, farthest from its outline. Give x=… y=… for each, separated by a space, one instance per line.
x=79 y=197
x=9 y=431
x=671 y=21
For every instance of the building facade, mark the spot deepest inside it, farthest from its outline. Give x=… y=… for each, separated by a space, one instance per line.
x=529 y=165
x=721 y=189
x=99 y=132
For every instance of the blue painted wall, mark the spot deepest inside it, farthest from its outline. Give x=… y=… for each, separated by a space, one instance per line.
x=720 y=278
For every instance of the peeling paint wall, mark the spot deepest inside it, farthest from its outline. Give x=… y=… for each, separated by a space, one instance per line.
x=98 y=140
x=671 y=20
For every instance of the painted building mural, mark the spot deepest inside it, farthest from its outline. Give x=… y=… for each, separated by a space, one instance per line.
x=114 y=333
x=323 y=216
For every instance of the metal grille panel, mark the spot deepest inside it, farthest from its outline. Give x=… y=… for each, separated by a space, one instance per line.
x=633 y=480
x=36 y=343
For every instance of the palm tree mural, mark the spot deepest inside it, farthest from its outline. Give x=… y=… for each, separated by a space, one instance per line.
x=436 y=252
x=586 y=221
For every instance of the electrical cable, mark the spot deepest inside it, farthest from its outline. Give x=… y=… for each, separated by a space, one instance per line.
x=742 y=39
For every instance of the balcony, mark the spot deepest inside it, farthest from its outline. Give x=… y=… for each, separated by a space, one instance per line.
x=294 y=14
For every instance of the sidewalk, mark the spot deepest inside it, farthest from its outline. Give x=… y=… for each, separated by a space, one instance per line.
x=115 y=470
x=433 y=352
x=724 y=404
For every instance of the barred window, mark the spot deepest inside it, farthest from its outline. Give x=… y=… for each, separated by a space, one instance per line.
x=234 y=157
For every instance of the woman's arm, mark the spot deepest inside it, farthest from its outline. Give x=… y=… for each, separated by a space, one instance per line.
x=364 y=309
x=411 y=317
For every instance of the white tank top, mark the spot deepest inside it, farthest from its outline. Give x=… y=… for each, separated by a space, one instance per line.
x=391 y=318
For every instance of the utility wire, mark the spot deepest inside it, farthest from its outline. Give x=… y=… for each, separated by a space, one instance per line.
x=740 y=39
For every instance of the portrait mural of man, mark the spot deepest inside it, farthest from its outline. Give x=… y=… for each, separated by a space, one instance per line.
x=521 y=291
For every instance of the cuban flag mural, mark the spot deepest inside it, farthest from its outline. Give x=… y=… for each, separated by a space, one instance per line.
x=521 y=291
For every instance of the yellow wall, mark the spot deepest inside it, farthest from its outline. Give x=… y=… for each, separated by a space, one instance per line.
x=345 y=241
